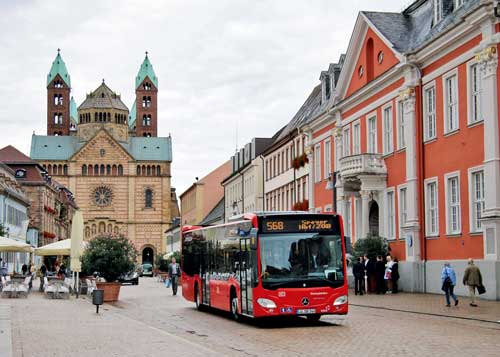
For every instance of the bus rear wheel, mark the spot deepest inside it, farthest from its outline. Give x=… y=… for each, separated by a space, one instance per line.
x=197 y=298
x=234 y=308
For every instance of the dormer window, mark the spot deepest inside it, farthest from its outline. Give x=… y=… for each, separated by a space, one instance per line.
x=21 y=173
x=438 y=11
x=147 y=86
x=327 y=85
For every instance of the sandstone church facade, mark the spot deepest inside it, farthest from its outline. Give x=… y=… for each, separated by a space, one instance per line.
x=111 y=158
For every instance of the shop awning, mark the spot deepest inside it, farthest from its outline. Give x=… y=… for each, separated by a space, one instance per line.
x=11 y=245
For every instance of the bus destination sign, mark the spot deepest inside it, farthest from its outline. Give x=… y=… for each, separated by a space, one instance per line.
x=294 y=225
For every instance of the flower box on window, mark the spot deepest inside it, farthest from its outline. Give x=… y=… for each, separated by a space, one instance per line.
x=301 y=206
x=300 y=161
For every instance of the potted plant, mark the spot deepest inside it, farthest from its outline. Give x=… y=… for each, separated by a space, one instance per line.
x=110 y=256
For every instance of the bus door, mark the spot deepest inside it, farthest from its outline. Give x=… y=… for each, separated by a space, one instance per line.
x=245 y=276
x=205 y=272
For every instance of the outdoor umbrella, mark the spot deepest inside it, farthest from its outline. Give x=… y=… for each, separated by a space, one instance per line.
x=11 y=245
x=61 y=247
x=76 y=245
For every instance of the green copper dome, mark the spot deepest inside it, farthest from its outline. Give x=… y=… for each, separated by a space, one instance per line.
x=146 y=70
x=132 y=116
x=59 y=68
x=73 y=112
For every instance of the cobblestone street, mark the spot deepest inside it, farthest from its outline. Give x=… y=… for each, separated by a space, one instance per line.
x=149 y=321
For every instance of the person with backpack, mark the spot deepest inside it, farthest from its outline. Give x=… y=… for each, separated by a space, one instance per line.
x=474 y=280
x=448 y=281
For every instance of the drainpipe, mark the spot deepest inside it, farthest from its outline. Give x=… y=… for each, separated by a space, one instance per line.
x=263 y=183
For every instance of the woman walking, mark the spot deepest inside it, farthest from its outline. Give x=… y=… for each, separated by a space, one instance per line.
x=448 y=281
x=388 y=274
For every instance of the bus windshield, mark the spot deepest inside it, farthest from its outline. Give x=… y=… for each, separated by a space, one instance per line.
x=301 y=260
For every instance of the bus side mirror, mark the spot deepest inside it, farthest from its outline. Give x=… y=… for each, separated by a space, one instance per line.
x=253 y=238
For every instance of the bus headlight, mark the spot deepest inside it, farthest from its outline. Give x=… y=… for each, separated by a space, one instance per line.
x=266 y=303
x=341 y=300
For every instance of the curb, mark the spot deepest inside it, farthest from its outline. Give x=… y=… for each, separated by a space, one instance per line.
x=5 y=332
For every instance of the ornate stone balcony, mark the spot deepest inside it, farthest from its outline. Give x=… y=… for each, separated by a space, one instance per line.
x=362 y=164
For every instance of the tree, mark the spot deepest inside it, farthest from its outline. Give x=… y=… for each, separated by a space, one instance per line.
x=372 y=246
x=110 y=256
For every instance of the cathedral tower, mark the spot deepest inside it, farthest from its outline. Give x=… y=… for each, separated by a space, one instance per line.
x=58 y=98
x=146 y=92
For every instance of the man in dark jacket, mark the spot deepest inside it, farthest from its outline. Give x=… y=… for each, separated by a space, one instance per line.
x=370 y=274
x=380 y=273
x=358 y=270
x=473 y=279
x=174 y=271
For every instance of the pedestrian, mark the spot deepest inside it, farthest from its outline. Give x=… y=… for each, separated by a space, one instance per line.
x=388 y=274
x=448 y=282
x=358 y=270
x=473 y=279
x=24 y=269
x=370 y=274
x=395 y=276
x=3 y=268
x=43 y=274
x=174 y=272
x=379 y=274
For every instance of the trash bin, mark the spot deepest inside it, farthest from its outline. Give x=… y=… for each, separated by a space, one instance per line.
x=97 y=298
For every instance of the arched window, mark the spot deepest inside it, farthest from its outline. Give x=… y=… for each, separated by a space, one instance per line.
x=158 y=171
x=49 y=169
x=148 y=102
x=96 y=117
x=87 y=232
x=153 y=170
x=65 y=170
x=94 y=229
x=108 y=170
x=120 y=170
x=60 y=169
x=116 y=230
x=56 y=99
x=101 y=172
x=96 y=170
x=138 y=170
x=149 y=170
x=61 y=99
x=84 y=170
x=110 y=228
x=91 y=170
x=114 y=170
x=100 y=116
x=143 y=170
x=148 y=198
x=102 y=227
x=144 y=101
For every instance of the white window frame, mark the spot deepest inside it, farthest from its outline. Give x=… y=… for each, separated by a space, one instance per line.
x=447 y=177
x=446 y=104
x=472 y=198
x=346 y=141
x=317 y=163
x=356 y=137
x=471 y=94
x=390 y=206
x=458 y=4
x=428 y=231
x=438 y=11
x=428 y=87
x=337 y=152
x=387 y=129
x=400 y=117
x=368 y=118
x=328 y=157
x=401 y=221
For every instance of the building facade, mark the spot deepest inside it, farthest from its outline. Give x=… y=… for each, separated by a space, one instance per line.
x=203 y=195
x=244 y=187
x=413 y=139
x=111 y=159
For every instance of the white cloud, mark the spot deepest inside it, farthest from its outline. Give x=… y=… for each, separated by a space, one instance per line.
x=219 y=63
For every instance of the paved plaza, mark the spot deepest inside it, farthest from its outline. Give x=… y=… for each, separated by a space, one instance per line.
x=148 y=320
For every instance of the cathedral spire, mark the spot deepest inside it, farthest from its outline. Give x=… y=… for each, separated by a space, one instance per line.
x=59 y=68
x=146 y=70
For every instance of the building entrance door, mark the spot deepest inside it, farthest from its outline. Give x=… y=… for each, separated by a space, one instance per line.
x=147 y=255
x=373 y=220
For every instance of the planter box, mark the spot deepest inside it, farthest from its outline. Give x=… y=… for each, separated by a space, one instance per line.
x=111 y=291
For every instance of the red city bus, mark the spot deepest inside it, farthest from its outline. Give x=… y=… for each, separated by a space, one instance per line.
x=267 y=264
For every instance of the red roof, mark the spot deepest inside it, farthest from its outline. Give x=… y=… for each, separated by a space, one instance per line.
x=10 y=154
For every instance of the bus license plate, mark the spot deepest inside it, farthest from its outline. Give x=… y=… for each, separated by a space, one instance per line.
x=306 y=311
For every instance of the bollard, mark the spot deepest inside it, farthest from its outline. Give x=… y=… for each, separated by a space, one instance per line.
x=97 y=298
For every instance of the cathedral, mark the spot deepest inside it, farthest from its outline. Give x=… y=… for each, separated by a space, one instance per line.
x=111 y=158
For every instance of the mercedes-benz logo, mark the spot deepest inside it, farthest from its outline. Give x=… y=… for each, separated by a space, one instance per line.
x=305 y=301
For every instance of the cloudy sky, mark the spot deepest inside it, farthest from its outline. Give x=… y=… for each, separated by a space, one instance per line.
x=221 y=64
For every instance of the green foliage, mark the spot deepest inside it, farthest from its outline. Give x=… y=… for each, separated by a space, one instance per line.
x=110 y=256
x=3 y=233
x=372 y=246
x=161 y=263
x=177 y=256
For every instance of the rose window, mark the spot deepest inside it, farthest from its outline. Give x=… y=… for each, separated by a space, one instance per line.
x=102 y=196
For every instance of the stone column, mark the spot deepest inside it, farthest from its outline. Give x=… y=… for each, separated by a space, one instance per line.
x=411 y=229
x=365 y=214
x=488 y=59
